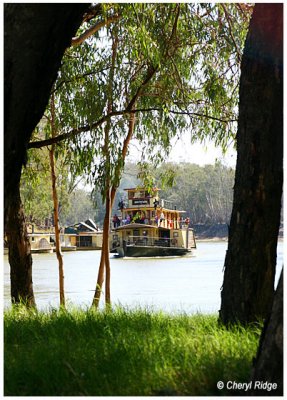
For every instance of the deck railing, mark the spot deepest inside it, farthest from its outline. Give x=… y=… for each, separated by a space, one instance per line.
x=146 y=241
x=165 y=223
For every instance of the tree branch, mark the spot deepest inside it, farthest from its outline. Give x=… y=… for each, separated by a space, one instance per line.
x=92 y=12
x=230 y=31
x=87 y=128
x=150 y=73
x=76 y=41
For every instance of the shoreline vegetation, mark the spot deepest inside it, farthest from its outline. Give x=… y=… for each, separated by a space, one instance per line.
x=217 y=232
x=123 y=353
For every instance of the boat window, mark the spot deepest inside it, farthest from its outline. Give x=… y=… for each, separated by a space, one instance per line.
x=136 y=232
x=131 y=195
x=32 y=239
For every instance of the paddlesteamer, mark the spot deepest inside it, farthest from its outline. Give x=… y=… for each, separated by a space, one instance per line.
x=149 y=227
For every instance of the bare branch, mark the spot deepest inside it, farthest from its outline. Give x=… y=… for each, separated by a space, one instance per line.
x=76 y=41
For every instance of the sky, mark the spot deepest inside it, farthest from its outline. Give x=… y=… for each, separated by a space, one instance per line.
x=201 y=154
x=197 y=153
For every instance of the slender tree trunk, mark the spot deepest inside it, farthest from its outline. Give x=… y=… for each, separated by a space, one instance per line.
x=110 y=197
x=56 y=205
x=111 y=189
x=107 y=257
x=248 y=286
x=104 y=253
x=57 y=229
x=105 y=261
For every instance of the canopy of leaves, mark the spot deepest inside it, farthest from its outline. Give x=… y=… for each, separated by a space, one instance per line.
x=175 y=65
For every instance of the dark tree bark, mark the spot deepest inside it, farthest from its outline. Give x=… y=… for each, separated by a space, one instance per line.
x=248 y=286
x=269 y=361
x=36 y=36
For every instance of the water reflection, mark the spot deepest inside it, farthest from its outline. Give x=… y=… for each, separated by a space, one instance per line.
x=185 y=284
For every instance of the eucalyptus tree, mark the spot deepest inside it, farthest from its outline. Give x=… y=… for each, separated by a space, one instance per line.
x=50 y=129
x=51 y=164
x=250 y=262
x=29 y=73
x=155 y=71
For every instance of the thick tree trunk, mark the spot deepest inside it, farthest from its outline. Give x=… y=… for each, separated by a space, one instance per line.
x=20 y=258
x=248 y=286
x=269 y=361
x=36 y=36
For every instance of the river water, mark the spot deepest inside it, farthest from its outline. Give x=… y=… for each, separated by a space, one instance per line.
x=187 y=284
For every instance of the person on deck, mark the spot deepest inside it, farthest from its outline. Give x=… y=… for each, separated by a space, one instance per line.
x=116 y=221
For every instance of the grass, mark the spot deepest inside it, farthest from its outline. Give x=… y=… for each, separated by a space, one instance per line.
x=122 y=353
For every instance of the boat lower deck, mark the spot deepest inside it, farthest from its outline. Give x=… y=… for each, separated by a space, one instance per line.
x=144 y=240
x=150 y=251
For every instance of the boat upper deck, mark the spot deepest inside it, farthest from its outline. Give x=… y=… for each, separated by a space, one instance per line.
x=147 y=208
x=141 y=198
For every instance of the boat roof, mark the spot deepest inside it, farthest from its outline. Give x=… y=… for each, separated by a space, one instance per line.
x=137 y=225
x=142 y=188
x=152 y=208
x=133 y=226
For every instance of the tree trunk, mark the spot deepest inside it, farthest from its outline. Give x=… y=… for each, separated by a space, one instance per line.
x=36 y=36
x=56 y=205
x=57 y=228
x=107 y=255
x=105 y=260
x=269 y=360
x=110 y=198
x=20 y=258
x=104 y=255
x=250 y=262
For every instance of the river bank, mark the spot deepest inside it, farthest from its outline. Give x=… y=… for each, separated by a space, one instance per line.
x=212 y=232
x=217 y=232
